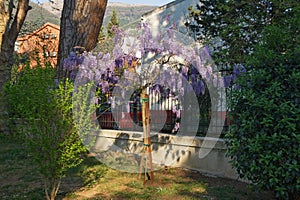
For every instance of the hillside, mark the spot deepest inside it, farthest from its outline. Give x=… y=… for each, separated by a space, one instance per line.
x=36 y=17
x=50 y=12
x=127 y=13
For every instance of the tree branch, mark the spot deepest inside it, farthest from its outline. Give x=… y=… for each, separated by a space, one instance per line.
x=22 y=9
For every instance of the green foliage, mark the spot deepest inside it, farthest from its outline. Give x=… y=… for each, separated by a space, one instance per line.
x=93 y=175
x=102 y=35
x=46 y=124
x=232 y=28
x=264 y=138
x=264 y=35
x=105 y=46
x=114 y=22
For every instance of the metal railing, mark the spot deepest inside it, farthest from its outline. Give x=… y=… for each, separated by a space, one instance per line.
x=162 y=118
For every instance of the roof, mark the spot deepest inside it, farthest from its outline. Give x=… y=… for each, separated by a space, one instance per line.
x=26 y=37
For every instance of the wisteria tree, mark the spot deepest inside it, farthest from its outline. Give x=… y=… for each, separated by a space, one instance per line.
x=145 y=61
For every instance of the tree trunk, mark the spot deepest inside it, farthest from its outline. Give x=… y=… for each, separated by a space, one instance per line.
x=51 y=188
x=80 y=25
x=146 y=163
x=10 y=26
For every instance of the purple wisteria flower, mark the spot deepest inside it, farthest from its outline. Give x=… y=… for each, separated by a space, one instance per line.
x=227 y=80
x=118 y=52
x=184 y=71
x=176 y=127
x=70 y=62
x=156 y=89
x=119 y=63
x=199 y=87
x=105 y=86
x=116 y=72
x=238 y=69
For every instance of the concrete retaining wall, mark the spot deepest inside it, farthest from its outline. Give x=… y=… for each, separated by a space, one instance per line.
x=206 y=155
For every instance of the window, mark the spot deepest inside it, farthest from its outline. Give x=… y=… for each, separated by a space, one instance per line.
x=45 y=36
x=53 y=54
x=17 y=46
x=53 y=35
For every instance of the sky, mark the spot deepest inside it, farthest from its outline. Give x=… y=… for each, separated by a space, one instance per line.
x=146 y=2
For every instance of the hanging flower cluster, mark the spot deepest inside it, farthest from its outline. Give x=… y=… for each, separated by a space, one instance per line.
x=138 y=60
x=229 y=80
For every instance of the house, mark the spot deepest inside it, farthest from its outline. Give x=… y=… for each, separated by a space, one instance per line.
x=177 y=12
x=40 y=46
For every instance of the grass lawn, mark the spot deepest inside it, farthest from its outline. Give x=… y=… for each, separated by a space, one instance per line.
x=19 y=179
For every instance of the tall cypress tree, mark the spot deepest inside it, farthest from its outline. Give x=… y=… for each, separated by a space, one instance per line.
x=114 y=22
x=102 y=34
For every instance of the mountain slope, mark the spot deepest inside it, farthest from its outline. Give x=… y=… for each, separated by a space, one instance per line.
x=128 y=14
x=36 y=17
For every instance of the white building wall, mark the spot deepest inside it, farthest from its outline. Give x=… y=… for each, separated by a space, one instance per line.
x=176 y=10
x=178 y=13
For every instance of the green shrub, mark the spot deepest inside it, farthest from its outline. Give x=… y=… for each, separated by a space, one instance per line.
x=46 y=124
x=264 y=139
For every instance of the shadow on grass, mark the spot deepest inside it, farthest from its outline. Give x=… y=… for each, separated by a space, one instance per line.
x=87 y=174
x=20 y=179
x=198 y=186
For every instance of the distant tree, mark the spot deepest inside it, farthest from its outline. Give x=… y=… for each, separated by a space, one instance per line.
x=30 y=26
x=12 y=16
x=80 y=26
x=114 y=22
x=230 y=28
